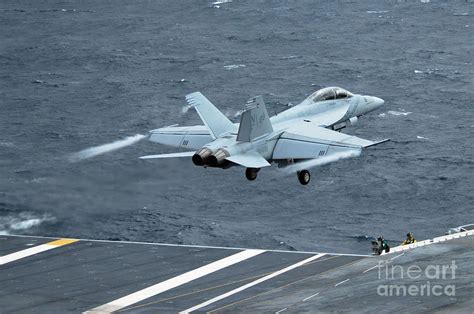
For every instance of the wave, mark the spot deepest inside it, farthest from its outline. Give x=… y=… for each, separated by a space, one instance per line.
x=19 y=222
x=361 y=237
x=376 y=12
x=232 y=113
x=398 y=113
x=185 y=109
x=234 y=66
x=221 y=2
x=7 y=144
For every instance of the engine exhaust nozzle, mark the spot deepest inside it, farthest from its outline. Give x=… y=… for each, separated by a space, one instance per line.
x=201 y=156
x=218 y=158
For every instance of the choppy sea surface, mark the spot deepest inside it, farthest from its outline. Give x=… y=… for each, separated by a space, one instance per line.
x=79 y=74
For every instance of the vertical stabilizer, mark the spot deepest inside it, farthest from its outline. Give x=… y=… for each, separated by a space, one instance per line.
x=216 y=122
x=254 y=121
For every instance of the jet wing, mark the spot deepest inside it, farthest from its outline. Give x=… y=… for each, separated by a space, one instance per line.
x=172 y=155
x=330 y=117
x=309 y=141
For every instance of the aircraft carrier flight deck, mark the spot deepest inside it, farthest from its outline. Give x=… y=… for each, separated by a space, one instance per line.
x=69 y=275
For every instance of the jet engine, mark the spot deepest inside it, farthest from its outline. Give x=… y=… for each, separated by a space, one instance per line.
x=218 y=158
x=200 y=158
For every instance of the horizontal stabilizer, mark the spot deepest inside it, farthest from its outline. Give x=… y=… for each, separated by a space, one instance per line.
x=216 y=122
x=172 y=155
x=249 y=159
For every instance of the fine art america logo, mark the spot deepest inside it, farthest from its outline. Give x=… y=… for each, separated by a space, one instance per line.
x=428 y=281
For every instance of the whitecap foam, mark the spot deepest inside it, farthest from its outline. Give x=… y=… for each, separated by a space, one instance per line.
x=398 y=113
x=221 y=2
x=22 y=221
x=290 y=57
x=234 y=66
x=185 y=109
x=7 y=144
x=36 y=180
x=26 y=224
x=232 y=114
x=376 y=12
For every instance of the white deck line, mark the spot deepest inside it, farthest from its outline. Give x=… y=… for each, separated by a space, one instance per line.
x=310 y=297
x=370 y=269
x=340 y=283
x=34 y=250
x=25 y=253
x=174 y=282
x=397 y=256
x=251 y=284
x=191 y=246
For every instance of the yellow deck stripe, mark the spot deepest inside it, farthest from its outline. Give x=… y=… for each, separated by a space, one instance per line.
x=62 y=242
x=35 y=250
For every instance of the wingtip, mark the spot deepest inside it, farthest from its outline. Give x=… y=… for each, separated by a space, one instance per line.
x=378 y=142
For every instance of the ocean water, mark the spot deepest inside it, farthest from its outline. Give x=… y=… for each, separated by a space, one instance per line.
x=75 y=75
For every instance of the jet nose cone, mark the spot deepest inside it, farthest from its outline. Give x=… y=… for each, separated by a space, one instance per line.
x=378 y=102
x=372 y=103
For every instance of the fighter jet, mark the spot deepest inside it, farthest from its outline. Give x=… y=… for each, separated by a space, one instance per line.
x=302 y=136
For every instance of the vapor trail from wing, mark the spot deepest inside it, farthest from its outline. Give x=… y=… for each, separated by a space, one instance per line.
x=319 y=161
x=105 y=148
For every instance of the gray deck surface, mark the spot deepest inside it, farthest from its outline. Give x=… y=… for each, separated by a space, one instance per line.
x=83 y=275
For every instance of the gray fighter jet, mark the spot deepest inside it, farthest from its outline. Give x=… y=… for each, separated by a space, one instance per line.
x=297 y=139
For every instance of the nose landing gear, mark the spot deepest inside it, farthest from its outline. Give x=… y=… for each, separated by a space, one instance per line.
x=251 y=173
x=303 y=176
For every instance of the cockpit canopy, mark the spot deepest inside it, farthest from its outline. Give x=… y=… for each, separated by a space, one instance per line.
x=330 y=93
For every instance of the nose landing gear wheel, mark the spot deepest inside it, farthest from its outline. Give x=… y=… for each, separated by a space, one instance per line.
x=304 y=177
x=251 y=173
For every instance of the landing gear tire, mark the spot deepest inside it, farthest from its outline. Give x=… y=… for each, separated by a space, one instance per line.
x=251 y=173
x=304 y=177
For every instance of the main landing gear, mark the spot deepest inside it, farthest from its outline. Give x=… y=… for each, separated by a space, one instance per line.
x=251 y=173
x=303 y=176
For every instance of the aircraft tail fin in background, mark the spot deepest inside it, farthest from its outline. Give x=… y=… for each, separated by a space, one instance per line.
x=254 y=121
x=216 y=122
